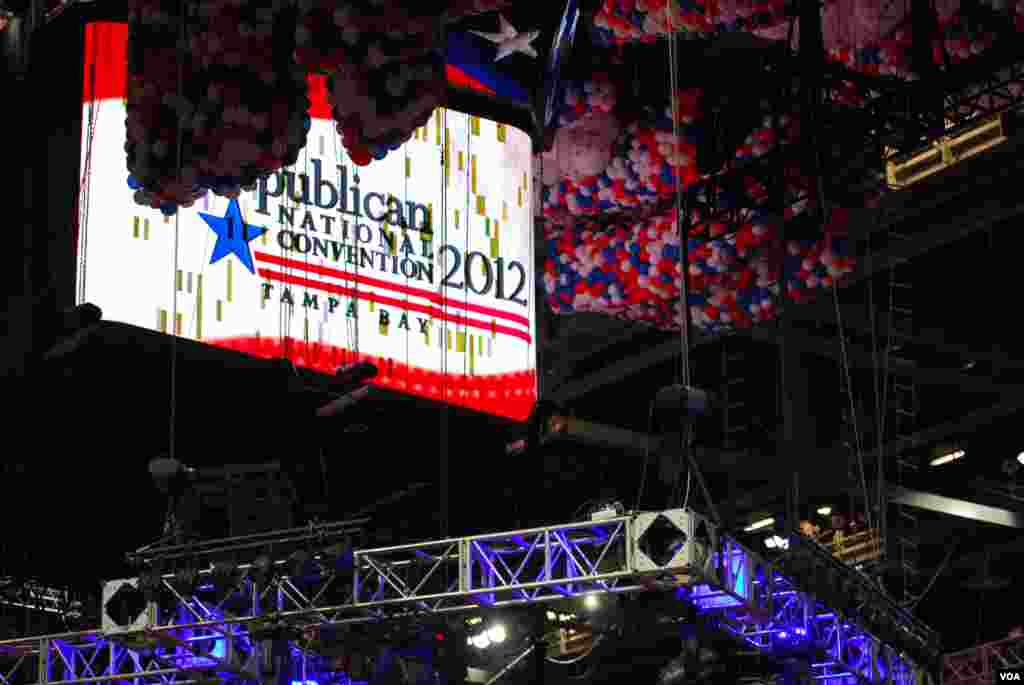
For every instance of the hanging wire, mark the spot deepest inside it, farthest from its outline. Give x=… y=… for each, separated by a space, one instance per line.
x=684 y=304
x=81 y=216
x=174 y=275
x=859 y=452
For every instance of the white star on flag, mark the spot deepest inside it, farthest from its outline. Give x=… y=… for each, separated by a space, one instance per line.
x=510 y=41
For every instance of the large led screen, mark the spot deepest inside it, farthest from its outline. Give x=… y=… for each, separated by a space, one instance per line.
x=421 y=262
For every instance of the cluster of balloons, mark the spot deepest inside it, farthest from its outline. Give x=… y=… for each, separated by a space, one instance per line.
x=215 y=108
x=384 y=61
x=618 y=22
x=596 y=168
x=633 y=271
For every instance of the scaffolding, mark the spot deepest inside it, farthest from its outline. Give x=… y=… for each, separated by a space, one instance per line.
x=766 y=604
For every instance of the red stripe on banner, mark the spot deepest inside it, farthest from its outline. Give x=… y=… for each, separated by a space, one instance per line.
x=430 y=295
x=105 y=73
x=460 y=79
x=433 y=312
x=511 y=395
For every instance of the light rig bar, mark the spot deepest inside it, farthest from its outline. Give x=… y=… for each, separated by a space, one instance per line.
x=676 y=549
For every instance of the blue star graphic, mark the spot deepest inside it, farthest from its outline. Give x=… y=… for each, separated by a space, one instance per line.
x=233 y=235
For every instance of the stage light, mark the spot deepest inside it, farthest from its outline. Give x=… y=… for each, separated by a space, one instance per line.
x=338 y=558
x=299 y=564
x=150 y=584
x=74 y=326
x=225 y=576
x=481 y=641
x=824 y=511
x=947 y=457
x=497 y=634
x=758 y=525
x=261 y=570
x=1020 y=458
x=591 y=602
x=186 y=581
x=776 y=542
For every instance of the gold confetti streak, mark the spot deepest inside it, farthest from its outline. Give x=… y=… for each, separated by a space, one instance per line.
x=480 y=344
x=306 y=335
x=504 y=211
x=438 y=118
x=494 y=248
x=231 y=273
x=474 y=125
x=472 y=356
x=161 y=319
x=178 y=281
x=220 y=310
x=462 y=161
x=408 y=167
x=199 y=307
x=472 y=174
x=145 y=229
x=265 y=237
x=481 y=205
x=497 y=227
x=370 y=302
x=449 y=341
x=502 y=133
x=426 y=335
x=177 y=324
x=383 y=328
x=135 y=228
x=460 y=342
x=520 y=199
x=447 y=158
x=457 y=217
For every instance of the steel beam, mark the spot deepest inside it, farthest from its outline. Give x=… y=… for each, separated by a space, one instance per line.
x=823 y=480
x=955 y=507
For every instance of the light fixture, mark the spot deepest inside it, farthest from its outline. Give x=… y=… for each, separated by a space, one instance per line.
x=776 y=542
x=824 y=511
x=591 y=602
x=497 y=634
x=947 y=457
x=1020 y=458
x=758 y=525
x=482 y=641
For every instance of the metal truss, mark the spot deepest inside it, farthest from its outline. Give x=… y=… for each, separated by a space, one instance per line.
x=203 y=634
x=978 y=665
x=28 y=594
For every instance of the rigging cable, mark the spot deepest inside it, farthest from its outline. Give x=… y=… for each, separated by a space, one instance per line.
x=686 y=439
x=177 y=216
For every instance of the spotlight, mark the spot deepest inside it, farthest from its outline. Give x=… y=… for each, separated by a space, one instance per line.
x=338 y=557
x=481 y=641
x=591 y=602
x=1020 y=458
x=824 y=511
x=947 y=457
x=150 y=584
x=299 y=564
x=261 y=570
x=225 y=575
x=776 y=542
x=497 y=634
x=186 y=581
x=758 y=525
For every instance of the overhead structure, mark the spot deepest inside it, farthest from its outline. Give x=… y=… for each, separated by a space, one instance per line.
x=771 y=606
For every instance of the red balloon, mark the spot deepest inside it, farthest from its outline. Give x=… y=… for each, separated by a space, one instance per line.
x=360 y=156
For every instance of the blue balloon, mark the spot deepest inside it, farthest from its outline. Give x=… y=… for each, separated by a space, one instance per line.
x=168 y=209
x=306 y=123
x=133 y=183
